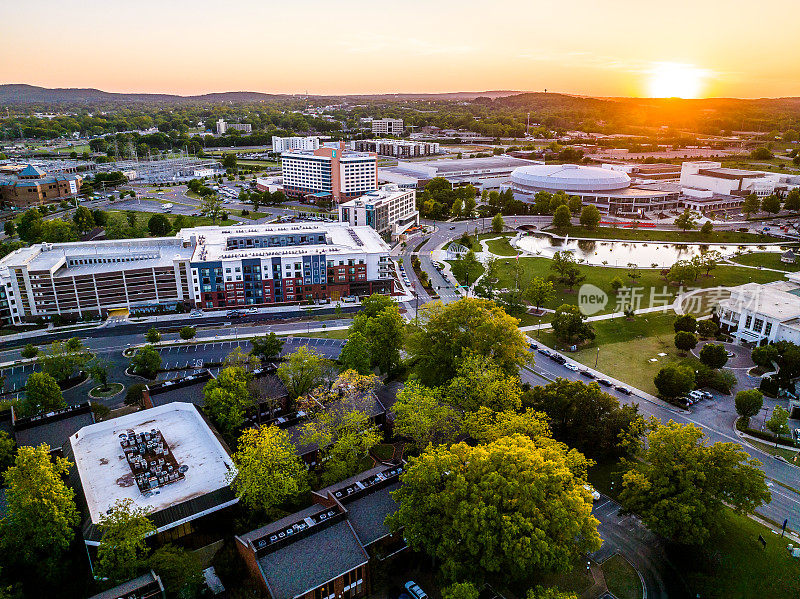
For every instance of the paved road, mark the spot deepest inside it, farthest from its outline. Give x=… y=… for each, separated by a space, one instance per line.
x=716 y=418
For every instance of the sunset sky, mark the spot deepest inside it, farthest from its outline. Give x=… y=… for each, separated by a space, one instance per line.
x=691 y=48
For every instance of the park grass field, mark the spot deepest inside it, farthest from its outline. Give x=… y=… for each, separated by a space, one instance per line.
x=641 y=234
x=650 y=280
x=501 y=247
x=621 y=579
x=766 y=260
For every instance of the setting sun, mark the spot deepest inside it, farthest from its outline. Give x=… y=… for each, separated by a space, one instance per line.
x=675 y=80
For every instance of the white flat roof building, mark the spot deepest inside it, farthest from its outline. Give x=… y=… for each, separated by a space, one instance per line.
x=387 y=126
x=330 y=170
x=287 y=144
x=756 y=313
x=106 y=476
x=397 y=148
x=712 y=176
x=390 y=210
x=490 y=172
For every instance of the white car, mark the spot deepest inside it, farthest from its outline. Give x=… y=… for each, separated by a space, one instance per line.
x=595 y=495
x=571 y=367
x=253 y=310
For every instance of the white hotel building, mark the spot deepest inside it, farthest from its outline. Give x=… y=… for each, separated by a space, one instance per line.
x=390 y=210
x=329 y=171
x=287 y=144
x=758 y=314
x=387 y=126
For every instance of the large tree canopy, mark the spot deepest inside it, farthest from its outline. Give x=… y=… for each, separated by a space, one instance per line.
x=446 y=334
x=505 y=507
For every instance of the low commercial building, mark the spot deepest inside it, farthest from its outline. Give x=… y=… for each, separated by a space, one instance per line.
x=608 y=189
x=390 y=210
x=387 y=126
x=396 y=148
x=32 y=186
x=483 y=173
x=208 y=267
x=166 y=459
x=223 y=127
x=757 y=314
x=287 y=144
x=341 y=174
x=53 y=428
x=711 y=176
x=325 y=550
x=146 y=586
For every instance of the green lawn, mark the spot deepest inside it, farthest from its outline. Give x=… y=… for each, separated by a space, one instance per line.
x=732 y=563
x=501 y=247
x=626 y=348
x=766 y=260
x=474 y=272
x=770 y=448
x=650 y=280
x=334 y=334
x=191 y=221
x=621 y=579
x=642 y=234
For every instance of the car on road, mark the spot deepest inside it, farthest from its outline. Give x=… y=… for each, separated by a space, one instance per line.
x=623 y=390
x=253 y=310
x=586 y=373
x=571 y=367
x=595 y=495
x=730 y=354
x=533 y=346
x=605 y=382
x=415 y=590
x=558 y=359
x=452 y=228
x=543 y=351
x=234 y=313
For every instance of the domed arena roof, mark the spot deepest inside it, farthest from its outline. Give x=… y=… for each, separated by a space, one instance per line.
x=569 y=177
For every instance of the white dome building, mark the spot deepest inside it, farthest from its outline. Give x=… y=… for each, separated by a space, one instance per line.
x=567 y=177
x=610 y=190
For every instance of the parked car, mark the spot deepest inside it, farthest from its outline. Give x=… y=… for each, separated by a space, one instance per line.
x=605 y=382
x=595 y=495
x=253 y=310
x=234 y=314
x=452 y=228
x=543 y=351
x=415 y=591
x=571 y=367
x=587 y=374
x=533 y=346
x=623 y=390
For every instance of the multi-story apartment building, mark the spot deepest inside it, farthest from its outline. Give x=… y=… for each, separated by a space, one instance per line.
x=387 y=126
x=208 y=267
x=397 y=148
x=223 y=127
x=390 y=210
x=31 y=186
x=287 y=144
x=329 y=170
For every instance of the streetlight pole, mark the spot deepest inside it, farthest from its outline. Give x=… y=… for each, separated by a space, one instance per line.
x=539 y=328
x=597 y=356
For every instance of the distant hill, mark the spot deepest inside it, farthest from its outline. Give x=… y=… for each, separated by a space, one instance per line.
x=22 y=94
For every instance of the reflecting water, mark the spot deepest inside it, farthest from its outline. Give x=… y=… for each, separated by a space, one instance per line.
x=621 y=253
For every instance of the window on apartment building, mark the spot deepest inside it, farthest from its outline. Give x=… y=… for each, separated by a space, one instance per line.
x=768 y=328
x=757 y=326
x=747 y=321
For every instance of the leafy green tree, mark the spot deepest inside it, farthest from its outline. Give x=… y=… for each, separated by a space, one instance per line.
x=58 y=231
x=569 y=325
x=9 y=228
x=269 y=469
x=683 y=271
x=616 y=284
x=422 y=415
x=749 y=403
x=83 y=219
x=134 y=395
x=239 y=359
x=771 y=204
x=463 y=267
x=497 y=223
x=356 y=353
x=227 y=399
x=539 y=292
x=762 y=153
x=680 y=485
x=100 y=217
x=540 y=592
x=460 y=590
x=562 y=218
x=187 y=333
x=685 y=221
x=765 y=355
x=590 y=217
x=98 y=370
x=122 y=552
x=778 y=422
x=146 y=361
x=673 y=380
x=751 y=205
x=211 y=206
x=29 y=351
x=479 y=382
x=152 y=336
x=267 y=348
x=686 y=322
x=7 y=448
x=447 y=509
x=575 y=204
x=564 y=265
x=445 y=334
x=63 y=359
x=159 y=225
x=792 y=202
x=707 y=328
x=685 y=341
x=714 y=355
x=180 y=570
x=42 y=394
x=707 y=228
x=304 y=370
x=40 y=516
x=587 y=418
x=374 y=304
x=384 y=330
x=29 y=227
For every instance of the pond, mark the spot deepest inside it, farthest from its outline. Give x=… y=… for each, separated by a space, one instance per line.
x=644 y=254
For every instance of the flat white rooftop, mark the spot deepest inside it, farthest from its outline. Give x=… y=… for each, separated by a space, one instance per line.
x=106 y=476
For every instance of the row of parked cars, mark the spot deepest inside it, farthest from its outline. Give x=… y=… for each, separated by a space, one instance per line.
x=696 y=396
x=559 y=359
